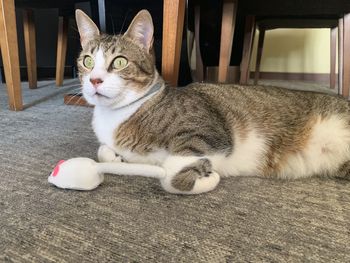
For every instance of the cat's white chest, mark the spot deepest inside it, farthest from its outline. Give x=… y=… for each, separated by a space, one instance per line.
x=107 y=121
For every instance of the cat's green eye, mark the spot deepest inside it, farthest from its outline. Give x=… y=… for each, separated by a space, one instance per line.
x=88 y=62
x=119 y=63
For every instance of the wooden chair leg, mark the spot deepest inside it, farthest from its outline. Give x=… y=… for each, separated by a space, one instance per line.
x=340 y=54
x=346 y=56
x=334 y=32
x=63 y=23
x=259 y=55
x=247 y=47
x=30 y=46
x=229 y=11
x=173 y=21
x=9 y=50
x=199 y=61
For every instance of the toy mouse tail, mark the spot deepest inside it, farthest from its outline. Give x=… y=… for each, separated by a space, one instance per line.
x=144 y=170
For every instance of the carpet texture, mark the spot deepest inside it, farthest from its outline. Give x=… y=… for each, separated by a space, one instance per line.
x=129 y=219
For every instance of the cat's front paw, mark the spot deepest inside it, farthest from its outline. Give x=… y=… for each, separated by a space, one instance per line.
x=107 y=155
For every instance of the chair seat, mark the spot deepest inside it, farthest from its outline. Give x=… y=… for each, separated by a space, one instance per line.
x=275 y=23
x=66 y=7
x=46 y=4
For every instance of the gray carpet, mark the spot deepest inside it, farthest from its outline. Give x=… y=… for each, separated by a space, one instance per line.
x=133 y=220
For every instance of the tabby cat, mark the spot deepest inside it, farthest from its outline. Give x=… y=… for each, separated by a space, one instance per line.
x=203 y=131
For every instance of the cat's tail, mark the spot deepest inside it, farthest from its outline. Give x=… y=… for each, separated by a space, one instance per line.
x=145 y=170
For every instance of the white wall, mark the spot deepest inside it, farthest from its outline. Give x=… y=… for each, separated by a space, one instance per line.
x=295 y=51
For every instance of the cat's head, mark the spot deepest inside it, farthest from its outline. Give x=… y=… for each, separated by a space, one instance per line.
x=116 y=70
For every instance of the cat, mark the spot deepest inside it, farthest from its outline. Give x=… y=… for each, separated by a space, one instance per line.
x=202 y=132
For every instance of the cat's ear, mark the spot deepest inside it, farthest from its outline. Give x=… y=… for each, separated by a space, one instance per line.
x=141 y=30
x=86 y=27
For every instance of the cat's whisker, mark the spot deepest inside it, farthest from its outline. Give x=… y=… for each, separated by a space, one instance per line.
x=74 y=96
x=113 y=27
x=68 y=102
x=76 y=90
x=76 y=106
x=78 y=101
x=74 y=28
x=123 y=24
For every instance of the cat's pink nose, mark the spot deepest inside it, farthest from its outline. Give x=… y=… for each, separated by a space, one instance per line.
x=96 y=82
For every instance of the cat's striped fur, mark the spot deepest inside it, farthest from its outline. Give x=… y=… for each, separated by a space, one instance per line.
x=203 y=131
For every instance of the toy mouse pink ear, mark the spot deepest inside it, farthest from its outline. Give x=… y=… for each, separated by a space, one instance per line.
x=57 y=168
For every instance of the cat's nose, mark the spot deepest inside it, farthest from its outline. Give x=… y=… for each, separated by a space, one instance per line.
x=96 y=82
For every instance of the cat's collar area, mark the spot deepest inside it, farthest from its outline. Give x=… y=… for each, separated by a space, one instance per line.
x=155 y=88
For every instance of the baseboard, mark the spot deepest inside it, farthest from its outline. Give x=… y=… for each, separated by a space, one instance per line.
x=42 y=73
x=321 y=78
x=233 y=75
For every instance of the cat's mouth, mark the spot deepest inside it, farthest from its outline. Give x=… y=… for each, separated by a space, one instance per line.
x=100 y=95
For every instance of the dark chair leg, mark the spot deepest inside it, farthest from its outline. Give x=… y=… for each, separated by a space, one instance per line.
x=247 y=47
x=259 y=55
x=334 y=32
x=199 y=61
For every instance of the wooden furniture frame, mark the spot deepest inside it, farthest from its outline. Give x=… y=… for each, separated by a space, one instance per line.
x=173 y=22
x=229 y=11
x=174 y=13
x=30 y=47
x=9 y=49
x=251 y=8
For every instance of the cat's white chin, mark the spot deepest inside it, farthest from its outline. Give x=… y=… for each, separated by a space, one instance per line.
x=98 y=99
x=109 y=102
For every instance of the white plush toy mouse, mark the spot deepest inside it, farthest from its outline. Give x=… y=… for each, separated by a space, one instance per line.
x=86 y=174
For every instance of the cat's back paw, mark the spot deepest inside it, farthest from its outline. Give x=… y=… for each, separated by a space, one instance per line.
x=194 y=178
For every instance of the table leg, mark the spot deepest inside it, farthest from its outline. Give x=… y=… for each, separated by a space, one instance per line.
x=259 y=55
x=228 y=23
x=29 y=41
x=333 y=44
x=173 y=21
x=199 y=61
x=9 y=50
x=248 y=40
x=346 y=57
x=63 y=23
